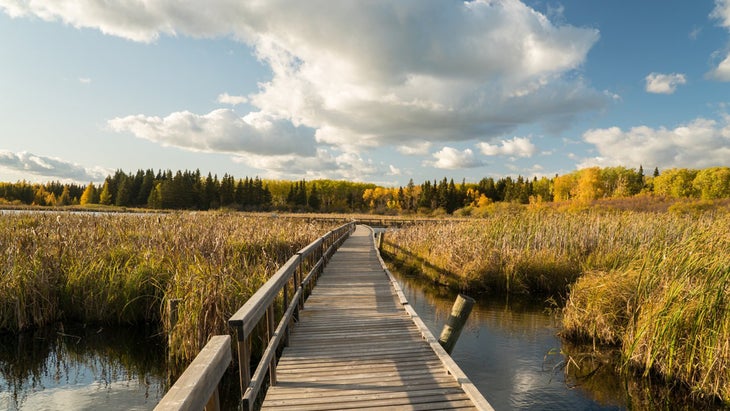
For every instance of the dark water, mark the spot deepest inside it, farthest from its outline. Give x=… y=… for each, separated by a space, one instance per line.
x=511 y=351
x=78 y=368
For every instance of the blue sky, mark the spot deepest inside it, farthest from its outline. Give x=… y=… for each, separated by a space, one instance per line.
x=377 y=91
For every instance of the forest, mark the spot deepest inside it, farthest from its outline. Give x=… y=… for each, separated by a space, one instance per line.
x=190 y=190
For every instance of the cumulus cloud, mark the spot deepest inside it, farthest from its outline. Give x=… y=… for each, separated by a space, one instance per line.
x=394 y=171
x=664 y=83
x=226 y=98
x=698 y=144
x=220 y=130
x=323 y=164
x=478 y=69
x=25 y=164
x=415 y=149
x=451 y=159
x=722 y=71
x=517 y=147
x=721 y=12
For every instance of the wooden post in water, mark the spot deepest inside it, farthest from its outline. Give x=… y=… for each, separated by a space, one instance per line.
x=452 y=329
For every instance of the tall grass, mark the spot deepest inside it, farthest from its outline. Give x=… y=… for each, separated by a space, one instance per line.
x=669 y=311
x=657 y=285
x=123 y=269
x=521 y=250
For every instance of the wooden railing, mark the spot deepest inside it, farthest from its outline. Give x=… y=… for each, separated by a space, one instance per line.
x=197 y=387
x=290 y=278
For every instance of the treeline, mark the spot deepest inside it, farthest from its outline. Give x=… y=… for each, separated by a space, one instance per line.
x=446 y=197
x=190 y=190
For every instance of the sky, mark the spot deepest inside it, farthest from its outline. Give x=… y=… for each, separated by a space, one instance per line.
x=375 y=91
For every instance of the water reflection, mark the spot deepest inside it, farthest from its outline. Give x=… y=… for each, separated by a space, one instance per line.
x=511 y=352
x=81 y=368
x=509 y=349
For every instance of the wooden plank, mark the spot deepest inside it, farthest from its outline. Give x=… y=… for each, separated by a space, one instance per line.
x=199 y=381
x=357 y=346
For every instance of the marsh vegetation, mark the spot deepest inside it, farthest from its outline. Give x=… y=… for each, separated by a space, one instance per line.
x=122 y=269
x=653 y=284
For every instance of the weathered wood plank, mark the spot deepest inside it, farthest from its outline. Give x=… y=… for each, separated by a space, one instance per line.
x=199 y=381
x=356 y=346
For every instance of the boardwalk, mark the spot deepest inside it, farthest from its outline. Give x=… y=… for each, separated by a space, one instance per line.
x=356 y=346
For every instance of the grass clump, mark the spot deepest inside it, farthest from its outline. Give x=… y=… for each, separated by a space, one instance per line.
x=123 y=268
x=669 y=312
x=524 y=250
x=657 y=285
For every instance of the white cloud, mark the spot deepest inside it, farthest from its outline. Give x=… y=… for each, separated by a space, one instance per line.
x=721 y=12
x=478 y=69
x=698 y=144
x=451 y=159
x=226 y=98
x=415 y=149
x=517 y=147
x=394 y=171
x=664 y=83
x=323 y=164
x=28 y=164
x=84 y=80
x=722 y=71
x=220 y=130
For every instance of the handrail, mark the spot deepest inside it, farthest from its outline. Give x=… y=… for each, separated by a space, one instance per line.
x=197 y=387
x=313 y=258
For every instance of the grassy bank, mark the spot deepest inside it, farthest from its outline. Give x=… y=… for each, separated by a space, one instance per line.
x=533 y=251
x=119 y=269
x=655 y=284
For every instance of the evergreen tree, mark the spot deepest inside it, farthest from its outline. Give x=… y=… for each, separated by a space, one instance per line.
x=148 y=183
x=211 y=196
x=314 y=200
x=301 y=195
x=241 y=195
x=65 y=198
x=154 y=200
x=123 y=193
x=227 y=191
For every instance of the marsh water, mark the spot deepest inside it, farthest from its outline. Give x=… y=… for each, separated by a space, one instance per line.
x=511 y=351
x=80 y=368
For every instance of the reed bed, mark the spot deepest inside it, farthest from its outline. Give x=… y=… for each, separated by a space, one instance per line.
x=122 y=269
x=538 y=251
x=657 y=285
x=669 y=311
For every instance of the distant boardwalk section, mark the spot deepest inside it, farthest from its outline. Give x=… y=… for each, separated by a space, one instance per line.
x=358 y=344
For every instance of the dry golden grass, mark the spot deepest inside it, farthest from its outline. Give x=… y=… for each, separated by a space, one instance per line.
x=123 y=268
x=656 y=284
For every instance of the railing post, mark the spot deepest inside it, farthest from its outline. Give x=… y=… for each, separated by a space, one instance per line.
x=214 y=403
x=284 y=307
x=270 y=328
x=299 y=278
x=244 y=359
